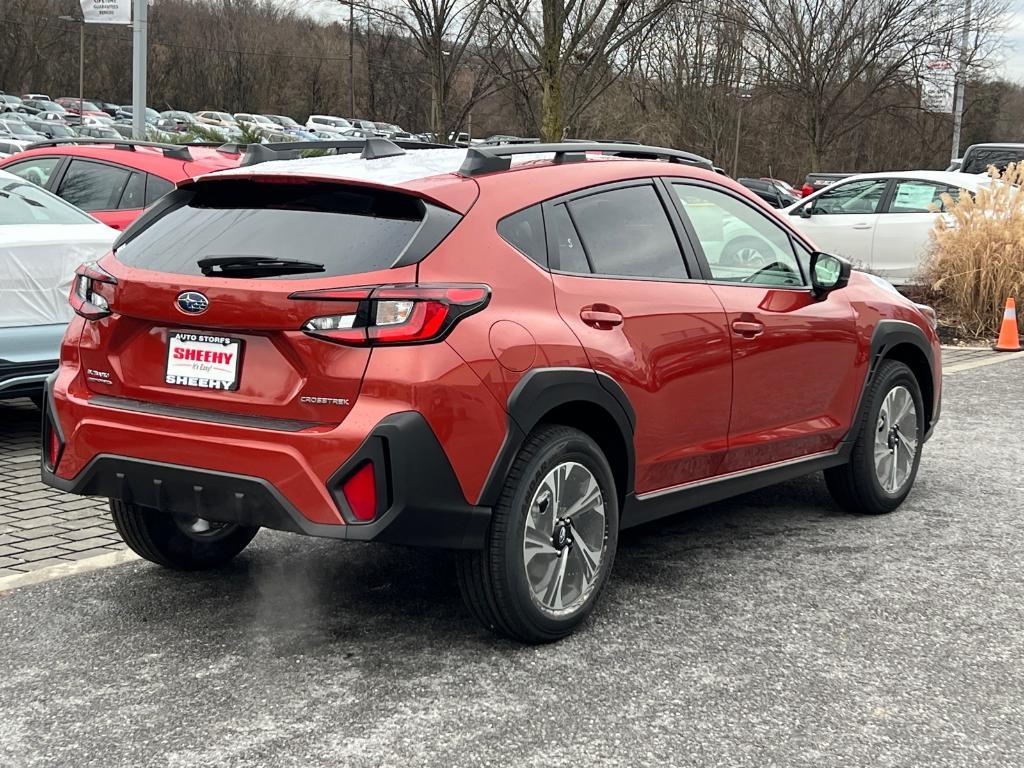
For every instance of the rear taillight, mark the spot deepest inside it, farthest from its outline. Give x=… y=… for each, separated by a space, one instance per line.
x=393 y=314
x=92 y=291
x=360 y=491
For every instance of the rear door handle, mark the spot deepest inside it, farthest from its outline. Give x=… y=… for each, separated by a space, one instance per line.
x=748 y=328
x=601 y=316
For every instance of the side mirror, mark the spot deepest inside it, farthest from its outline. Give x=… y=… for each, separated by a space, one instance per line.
x=805 y=211
x=828 y=273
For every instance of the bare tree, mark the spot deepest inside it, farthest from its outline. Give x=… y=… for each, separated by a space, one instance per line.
x=446 y=35
x=573 y=49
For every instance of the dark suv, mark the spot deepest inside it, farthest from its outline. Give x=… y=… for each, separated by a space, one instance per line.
x=452 y=348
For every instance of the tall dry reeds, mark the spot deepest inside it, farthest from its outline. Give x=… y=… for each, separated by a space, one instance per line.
x=977 y=256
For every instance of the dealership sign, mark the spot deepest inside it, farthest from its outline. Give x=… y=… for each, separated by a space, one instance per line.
x=107 y=11
x=938 y=84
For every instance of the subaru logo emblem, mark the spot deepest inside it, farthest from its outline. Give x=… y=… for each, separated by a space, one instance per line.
x=193 y=302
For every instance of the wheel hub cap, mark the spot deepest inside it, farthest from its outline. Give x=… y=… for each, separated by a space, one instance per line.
x=896 y=440
x=564 y=539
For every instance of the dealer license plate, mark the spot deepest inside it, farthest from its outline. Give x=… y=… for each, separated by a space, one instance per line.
x=203 y=361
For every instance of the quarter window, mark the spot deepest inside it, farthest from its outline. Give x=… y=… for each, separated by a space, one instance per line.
x=156 y=188
x=739 y=243
x=626 y=232
x=524 y=231
x=854 y=197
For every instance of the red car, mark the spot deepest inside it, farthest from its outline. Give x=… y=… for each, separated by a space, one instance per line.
x=114 y=182
x=80 y=107
x=445 y=348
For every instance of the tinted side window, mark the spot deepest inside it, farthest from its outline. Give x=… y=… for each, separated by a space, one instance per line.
x=37 y=169
x=134 y=191
x=568 y=254
x=156 y=188
x=524 y=231
x=627 y=232
x=852 y=197
x=93 y=186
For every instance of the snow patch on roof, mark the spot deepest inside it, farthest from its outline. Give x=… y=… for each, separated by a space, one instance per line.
x=414 y=164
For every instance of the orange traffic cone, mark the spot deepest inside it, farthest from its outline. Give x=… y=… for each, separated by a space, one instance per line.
x=1008 y=341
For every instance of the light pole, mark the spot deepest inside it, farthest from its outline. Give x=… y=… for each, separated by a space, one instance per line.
x=961 y=80
x=739 y=121
x=81 y=65
x=351 y=57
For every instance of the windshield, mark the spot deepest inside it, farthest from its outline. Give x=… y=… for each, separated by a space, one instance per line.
x=348 y=229
x=287 y=121
x=50 y=106
x=22 y=202
x=17 y=128
x=978 y=159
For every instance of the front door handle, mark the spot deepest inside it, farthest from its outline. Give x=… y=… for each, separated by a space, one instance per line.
x=601 y=316
x=862 y=226
x=748 y=328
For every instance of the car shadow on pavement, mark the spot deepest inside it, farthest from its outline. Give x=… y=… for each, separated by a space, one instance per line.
x=290 y=596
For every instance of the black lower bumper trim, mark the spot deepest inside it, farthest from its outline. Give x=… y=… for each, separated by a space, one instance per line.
x=426 y=506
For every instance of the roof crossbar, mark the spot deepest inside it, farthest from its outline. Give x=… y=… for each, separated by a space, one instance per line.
x=490 y=159
x=369 y=149
x=177 y=151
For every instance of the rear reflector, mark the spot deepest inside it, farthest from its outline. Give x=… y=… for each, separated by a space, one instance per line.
x=361 y=493
x=53 y=448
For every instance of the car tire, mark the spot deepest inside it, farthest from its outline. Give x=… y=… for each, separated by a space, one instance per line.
x=552 y=540
x=751 y=252
x=885 y=457
x=178 y=543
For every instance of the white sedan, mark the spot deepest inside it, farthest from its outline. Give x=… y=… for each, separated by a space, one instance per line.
x=880 y=221
x=42 y=241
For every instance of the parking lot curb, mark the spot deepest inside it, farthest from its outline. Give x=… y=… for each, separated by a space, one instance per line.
x=8 y=583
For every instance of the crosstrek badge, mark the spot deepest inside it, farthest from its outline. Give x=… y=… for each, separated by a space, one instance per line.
x=202 y=361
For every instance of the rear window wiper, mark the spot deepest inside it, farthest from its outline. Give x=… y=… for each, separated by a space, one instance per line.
x=255 y=266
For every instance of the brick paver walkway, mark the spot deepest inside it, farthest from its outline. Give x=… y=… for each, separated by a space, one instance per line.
x=39 y=525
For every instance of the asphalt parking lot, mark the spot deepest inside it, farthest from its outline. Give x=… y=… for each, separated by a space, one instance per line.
x=770 y=630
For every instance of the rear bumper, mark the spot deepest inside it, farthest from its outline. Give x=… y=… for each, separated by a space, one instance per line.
x=421 y=501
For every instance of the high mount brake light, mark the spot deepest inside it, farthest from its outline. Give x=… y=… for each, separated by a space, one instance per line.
x=91 y=291
x=393 y=314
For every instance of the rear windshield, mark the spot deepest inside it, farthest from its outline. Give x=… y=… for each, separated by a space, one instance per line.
x=348 y=230
x=979 y=159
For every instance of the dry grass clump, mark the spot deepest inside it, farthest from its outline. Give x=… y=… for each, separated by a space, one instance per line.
x=977 y=259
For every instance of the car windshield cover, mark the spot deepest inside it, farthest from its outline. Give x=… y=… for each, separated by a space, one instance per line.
x=348 y=230
x=22 y=202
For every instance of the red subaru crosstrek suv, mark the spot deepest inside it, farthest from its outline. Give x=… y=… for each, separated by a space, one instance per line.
x=511 y=354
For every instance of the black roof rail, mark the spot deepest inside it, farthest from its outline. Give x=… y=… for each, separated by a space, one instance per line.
x=177 y=151
x=370 y=149
x=481 y=159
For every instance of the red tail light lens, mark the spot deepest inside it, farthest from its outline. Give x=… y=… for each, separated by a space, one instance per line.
x=393 y=314
x=361 y=493
x=53 y=449
x=91 y=291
